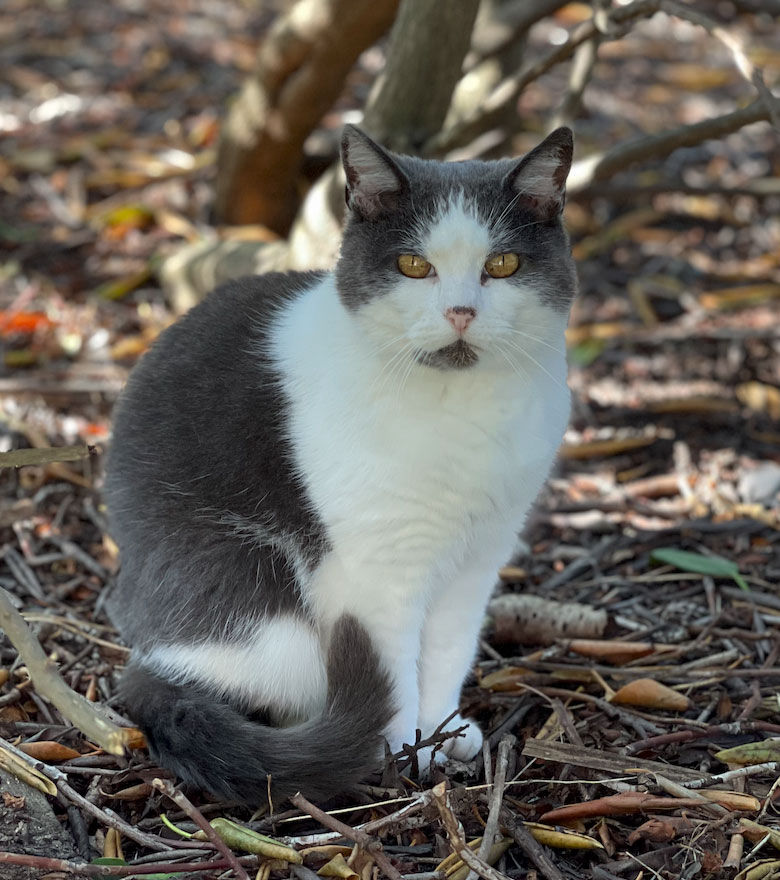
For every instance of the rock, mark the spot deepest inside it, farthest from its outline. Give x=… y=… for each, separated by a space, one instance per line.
x=761 y=484
x=28 y=825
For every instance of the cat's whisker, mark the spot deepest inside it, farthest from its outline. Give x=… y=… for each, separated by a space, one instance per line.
x=535 y=339
x=520 y=350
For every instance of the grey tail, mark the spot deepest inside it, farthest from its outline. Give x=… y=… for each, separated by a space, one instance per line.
x=213 y=746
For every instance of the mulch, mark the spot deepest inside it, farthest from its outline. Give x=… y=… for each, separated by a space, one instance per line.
x=110 y=118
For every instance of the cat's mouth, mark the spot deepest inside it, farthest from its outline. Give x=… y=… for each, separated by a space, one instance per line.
x=456 y=356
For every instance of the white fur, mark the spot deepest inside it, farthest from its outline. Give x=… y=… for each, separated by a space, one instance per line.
x=422 y=476
x=278 y=663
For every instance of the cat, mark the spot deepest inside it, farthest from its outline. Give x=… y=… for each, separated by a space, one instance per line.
x=314 y=477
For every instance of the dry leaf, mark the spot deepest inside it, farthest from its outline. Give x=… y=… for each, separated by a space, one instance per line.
x=623 y=804
x=612 y=650
x=755 y=832
x=508 y=678
x=17 y=767
x=559 y=839
x=751 y=753
x=661 y=829
x=733 y=800
x=652 y=695
x=338 y=867
x=131 y=793
x=763 y=870
x=45 y=750
x=600 y=448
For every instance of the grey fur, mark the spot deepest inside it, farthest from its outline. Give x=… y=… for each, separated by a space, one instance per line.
x=215 y=746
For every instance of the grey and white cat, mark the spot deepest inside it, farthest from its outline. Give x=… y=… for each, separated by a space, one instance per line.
x=314 y=478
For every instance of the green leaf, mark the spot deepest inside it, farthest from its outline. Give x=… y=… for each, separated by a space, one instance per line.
x=716 y=566
x=751 y=753
x=104 y=860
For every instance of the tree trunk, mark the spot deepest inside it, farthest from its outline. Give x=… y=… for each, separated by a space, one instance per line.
x=300 y=72
x=424 y=63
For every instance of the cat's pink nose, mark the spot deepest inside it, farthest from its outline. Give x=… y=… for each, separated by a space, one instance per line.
x=460 y=317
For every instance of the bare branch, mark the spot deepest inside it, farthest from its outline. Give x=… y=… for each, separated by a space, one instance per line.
x=604 y=165
x=499 y=103
x=300 y=72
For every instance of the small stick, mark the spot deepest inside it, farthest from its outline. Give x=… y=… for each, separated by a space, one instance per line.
x=496 y=798
x=532 y=848
x=458 y=844
x=736 y=848
x=44 y=455
x=359 y=837
x=44 y=863
x=183 y=802
x=729 y=775
x=51 y=685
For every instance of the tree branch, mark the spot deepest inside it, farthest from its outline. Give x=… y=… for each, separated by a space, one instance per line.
x=499 y=103
x=604 y=165
x=300 y=72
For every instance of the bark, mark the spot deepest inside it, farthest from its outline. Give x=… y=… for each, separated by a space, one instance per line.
x=424 y=63
x=300 y=72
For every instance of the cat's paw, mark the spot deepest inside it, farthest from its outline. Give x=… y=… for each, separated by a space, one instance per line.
x=462 y=747
x=467 y=744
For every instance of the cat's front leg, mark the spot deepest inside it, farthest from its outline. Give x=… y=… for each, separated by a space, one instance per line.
x=449 y=646
x=391 y=608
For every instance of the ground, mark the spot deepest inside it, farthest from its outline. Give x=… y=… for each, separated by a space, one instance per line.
x=110 y=114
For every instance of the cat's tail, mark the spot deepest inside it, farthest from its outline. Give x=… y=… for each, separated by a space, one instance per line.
x=213 y=746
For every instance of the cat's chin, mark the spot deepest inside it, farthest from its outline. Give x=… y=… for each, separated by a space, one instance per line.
x=457 y=355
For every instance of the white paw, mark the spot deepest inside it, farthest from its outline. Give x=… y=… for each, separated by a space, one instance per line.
x=462 y=747
x=465 y=746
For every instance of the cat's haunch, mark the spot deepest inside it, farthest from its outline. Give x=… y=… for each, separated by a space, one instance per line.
x=314 y=477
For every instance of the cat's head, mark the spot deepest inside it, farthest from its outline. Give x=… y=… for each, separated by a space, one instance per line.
x=459 y=263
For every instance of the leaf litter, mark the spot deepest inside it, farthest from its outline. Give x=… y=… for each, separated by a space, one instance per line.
x=665 y=503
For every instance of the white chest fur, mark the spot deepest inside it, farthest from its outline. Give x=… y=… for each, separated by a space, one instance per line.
x=411 y=468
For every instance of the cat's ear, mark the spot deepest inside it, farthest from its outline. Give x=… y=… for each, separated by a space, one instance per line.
x=539 y=179
x=374 y=180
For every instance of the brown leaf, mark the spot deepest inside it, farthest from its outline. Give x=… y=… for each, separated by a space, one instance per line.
x=623 y=804
x=652 y=695
x=47 y=750
x=612 y=650
x=660 y=829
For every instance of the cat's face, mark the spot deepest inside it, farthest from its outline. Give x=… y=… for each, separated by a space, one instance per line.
x=457 y=264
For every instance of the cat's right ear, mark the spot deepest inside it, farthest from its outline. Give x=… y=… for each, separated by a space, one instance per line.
x=374 y=180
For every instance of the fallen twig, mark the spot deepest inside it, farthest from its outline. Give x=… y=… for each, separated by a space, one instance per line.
x=49 y=684
x=531 y=847
x=496 y=799
x=373 y=847
x=45 y=455
x=458 y=844
x=183 y=802
x=44 y=863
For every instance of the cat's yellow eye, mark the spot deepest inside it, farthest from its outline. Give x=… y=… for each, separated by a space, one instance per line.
x=502 y=265
x=414 y=266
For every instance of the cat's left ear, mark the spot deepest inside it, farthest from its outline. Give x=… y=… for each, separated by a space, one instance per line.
x=374 y=180
x=539 y=178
